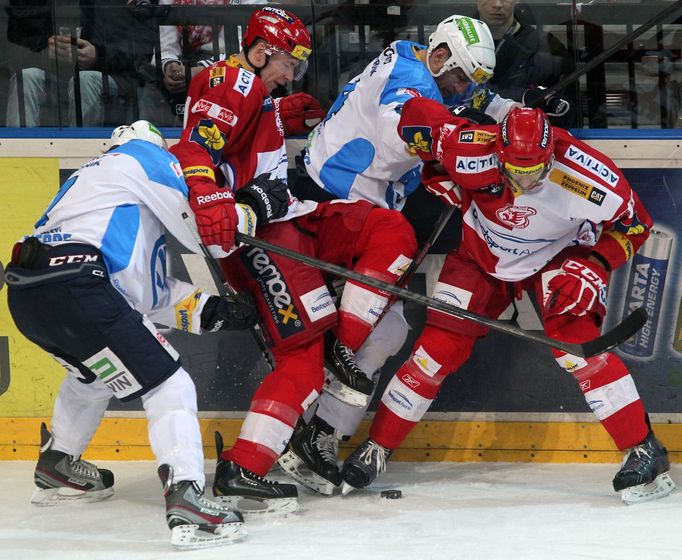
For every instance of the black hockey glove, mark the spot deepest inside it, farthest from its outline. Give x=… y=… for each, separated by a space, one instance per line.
x=554 y=106
x=474 y=115
x=269 y=198
x=229 y=313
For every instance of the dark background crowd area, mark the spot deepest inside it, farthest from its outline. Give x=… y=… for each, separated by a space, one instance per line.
x=118 y=50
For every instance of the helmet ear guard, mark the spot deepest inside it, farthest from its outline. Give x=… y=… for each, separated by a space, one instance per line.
x=139 y=130
x=471 y=46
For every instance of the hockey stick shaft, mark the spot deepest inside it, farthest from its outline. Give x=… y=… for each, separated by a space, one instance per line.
x=619 y=334
x=224 y=289
x=443 y=219
x=568 y=80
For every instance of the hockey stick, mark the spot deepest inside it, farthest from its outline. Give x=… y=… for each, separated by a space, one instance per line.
x=224 y=289
x=619 y=334
x=561 y=84
x=442 y=220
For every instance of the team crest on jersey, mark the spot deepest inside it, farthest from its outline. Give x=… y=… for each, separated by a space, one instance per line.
x=216 y=76
x=476 y=136
x=630 y=226
x=207 y=134
x=515 y=216
x=418 y=138
x=215 y=111
x=576 y=186
x=480 y=99
x=593 y=165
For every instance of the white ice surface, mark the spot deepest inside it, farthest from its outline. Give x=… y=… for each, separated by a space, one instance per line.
x=448 y=511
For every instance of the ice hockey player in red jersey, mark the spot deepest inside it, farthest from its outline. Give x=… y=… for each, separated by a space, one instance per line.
x=233 y=156
x=543 y=212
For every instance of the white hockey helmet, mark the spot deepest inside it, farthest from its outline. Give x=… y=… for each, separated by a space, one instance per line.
x=471 y=45
x=139 y=130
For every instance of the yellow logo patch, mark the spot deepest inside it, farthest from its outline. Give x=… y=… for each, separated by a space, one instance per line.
x=577 y=187
x=214 y=139
x=301 y=52
x=198 y=171
x=185 y=310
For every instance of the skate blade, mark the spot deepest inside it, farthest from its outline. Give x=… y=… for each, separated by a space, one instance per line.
x=346 y=488
x=661 y=486
x=189 y=537
x=292 y=463
x=64 y=495
x=343 y=392
x=253 y=508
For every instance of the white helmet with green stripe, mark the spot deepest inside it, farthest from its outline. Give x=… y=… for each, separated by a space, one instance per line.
x=471 y=45
x=139 y=130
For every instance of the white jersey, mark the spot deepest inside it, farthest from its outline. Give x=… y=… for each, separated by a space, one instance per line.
x=356 y=153
x=122 y=203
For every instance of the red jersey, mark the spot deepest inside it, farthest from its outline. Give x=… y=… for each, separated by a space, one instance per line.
x=584 y=199
x=232 y=132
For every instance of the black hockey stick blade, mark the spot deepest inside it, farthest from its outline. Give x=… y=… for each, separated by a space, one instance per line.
x=617 y=335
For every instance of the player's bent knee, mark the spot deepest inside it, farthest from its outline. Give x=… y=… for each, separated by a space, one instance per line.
x=175 y=393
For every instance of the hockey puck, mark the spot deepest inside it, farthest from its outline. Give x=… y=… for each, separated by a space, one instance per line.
x=391 y=494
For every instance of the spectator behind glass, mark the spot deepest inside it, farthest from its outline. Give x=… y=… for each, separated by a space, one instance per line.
x=105 y=50
x=526 y=57
x=185 y=51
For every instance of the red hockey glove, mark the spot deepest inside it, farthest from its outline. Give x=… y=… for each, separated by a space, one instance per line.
x=437 y=182
x=215 y=214
x=578 y=288
x=300 y=113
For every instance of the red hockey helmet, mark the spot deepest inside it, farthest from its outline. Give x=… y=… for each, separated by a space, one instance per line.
x=283 y=32
x=525 y=148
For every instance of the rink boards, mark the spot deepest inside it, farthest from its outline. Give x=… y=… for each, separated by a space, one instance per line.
x=509 y=403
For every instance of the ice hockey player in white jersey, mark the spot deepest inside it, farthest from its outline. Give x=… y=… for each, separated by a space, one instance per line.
x=356 y=153
x=87 y=287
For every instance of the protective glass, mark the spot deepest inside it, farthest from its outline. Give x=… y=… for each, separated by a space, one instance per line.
x=526 y=179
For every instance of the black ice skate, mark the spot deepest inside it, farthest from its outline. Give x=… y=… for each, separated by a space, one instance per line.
x=311 y=458
x=643 y=475
x=364 y=465
x=195 y=521
x=60 y=477
x=344 y=379
x=238 y=487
